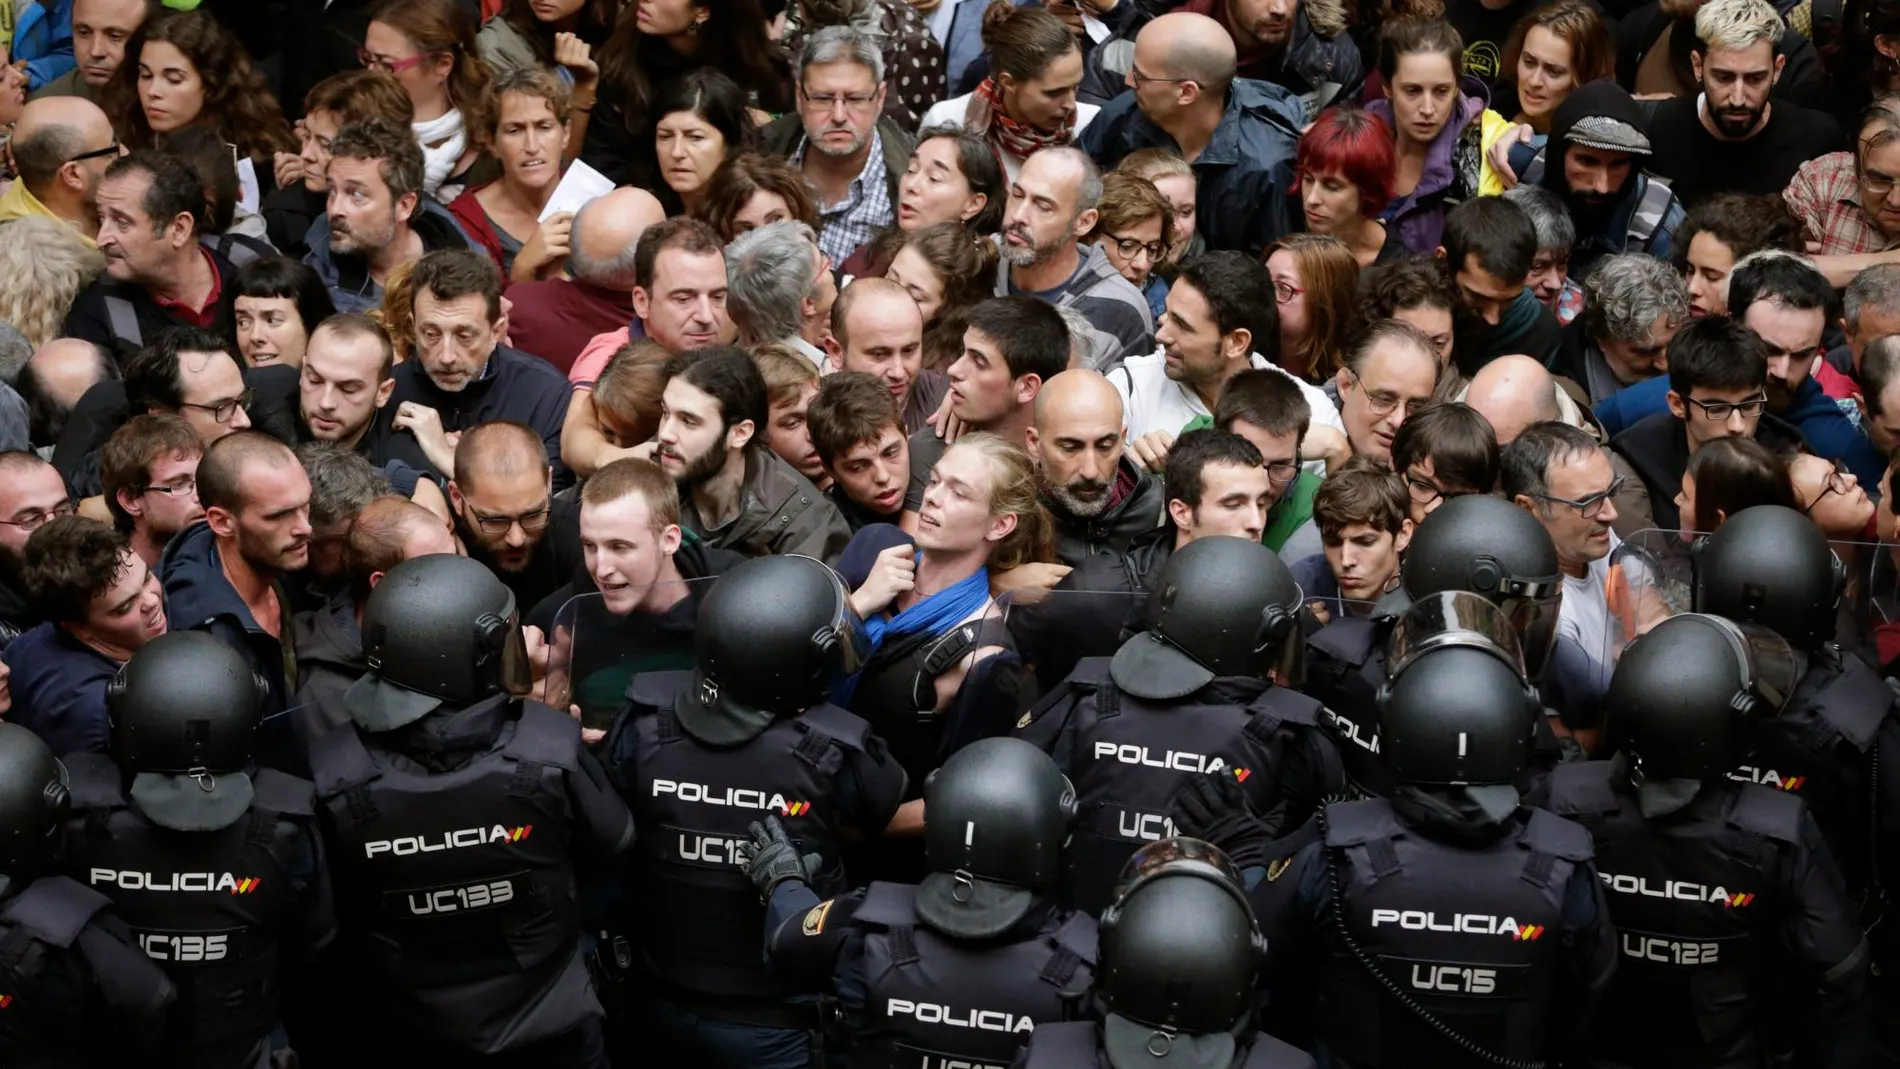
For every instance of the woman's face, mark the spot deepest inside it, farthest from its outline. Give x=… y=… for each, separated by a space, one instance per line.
x=1183 y=196
x=1685 y=504
x=934 y=189
x=12 y=94
x=270 y=331
x=529 y=140
x=665 y=18
x=1135 y=250
x=1544 y=73
x=1290 y=292
x=170 y=90
x=764 y=209
x=690 y=150
x=392 y=51
x=1330 y=201
x=910 y=270
x=1424 y=92
x=555 y=10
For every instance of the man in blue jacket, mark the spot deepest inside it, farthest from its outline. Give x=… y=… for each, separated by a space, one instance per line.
x=1239 y=135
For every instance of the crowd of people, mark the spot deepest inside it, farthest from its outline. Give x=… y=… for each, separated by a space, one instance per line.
x=1104 y=421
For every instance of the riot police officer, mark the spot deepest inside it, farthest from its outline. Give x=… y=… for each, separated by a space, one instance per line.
x=1723 y=894
x=1189 y=696
x=1474 y=543
x=214 y=864
x=75 y=989
x=1443 y=925
x=454 y=810
x=965 y=965
x=1180 y=953
x=702 y=755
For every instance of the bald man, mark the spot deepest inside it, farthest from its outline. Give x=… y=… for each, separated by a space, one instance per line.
x=877 y=329
x=1240 y=135
x=1514 y=392
x=505 y=512
x=1100 y=499
x=555 y=318
x=1052 y=203
x=55 y=378
x=61 y=147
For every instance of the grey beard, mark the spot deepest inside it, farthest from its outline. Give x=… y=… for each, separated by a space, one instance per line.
x=1079 y=507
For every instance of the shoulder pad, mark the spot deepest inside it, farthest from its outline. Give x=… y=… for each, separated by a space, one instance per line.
x=888 y=905
x=95 y=782
x=656 y=690
x=1090 y=673
x=1553 y=834
x=1581 y=787
x=1855 y=703
x=847 y=729
x=1349 y=638
x=1352 y=823
x=55 y=910
x=1080 y=936
x=1288 y=706
x=284 y=794
x=1067 y=1044
x=1768 y=812
x=339 y=759
x=545 y=735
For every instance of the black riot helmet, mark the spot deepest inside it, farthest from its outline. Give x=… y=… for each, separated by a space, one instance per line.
x=1488 y=546
x=438 y=630
x=1688 y=696
x=183 y=715
x=33 y=804
x=1000 y=811
x=774 y=636
x=1180 y=949
x=1221 y=606
x=1772 y=566
x=1456 y=709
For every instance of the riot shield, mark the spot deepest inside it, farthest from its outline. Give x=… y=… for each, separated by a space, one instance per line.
x=599 y=642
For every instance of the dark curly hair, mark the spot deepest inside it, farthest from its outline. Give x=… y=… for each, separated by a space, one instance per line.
x=237 y=104
x=1743 y=223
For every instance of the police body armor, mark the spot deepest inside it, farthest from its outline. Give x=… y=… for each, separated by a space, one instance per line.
x=897 y=695
x=209 y=907
x=1345 y=670
x=933 y=1002
x=460 y=884
x=1463 y=931
x=1131 y=756
x=701 y=922
x=1075 y=1046
x=45 y=1001
x=1683 y=895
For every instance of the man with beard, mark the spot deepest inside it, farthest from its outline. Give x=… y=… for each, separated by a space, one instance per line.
x=852 y=156
x=1051 y=205
x=877 y=329
x=1301 y=46
x=61 y=147
x=735 y=493
x=463 y=375
x=506 y=514
x=378 y=218
x=1732 y=137
x=344 y=386
x=151 y=210
x=148 y=472
x=31 y=493
x=224 y=574
x=102 y=604
x=1488 y=250
x=1099 y=498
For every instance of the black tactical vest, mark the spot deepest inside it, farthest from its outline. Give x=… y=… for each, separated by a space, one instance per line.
x=459 y=885
x=1131 y=756
x=897 y=696
x=700 y=920
x=209 y=906
x=1694 y=900
x=1464 y=930
x=933 y=1002
x=46 y=985
x=1345 y=669
x=1076 y=1046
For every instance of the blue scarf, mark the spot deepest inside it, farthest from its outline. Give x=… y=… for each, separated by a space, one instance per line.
x=935 y=615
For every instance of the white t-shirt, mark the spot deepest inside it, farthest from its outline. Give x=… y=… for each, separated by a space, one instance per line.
x=953 y=110
x=1153 y=402
x=1585 y=617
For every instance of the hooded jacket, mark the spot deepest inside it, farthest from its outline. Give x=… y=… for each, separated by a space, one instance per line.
x=1453 y=167
x=347 y=277
x=1645 y=214
x=1079 y=538
x=59 y=689
x=1099 y=292
x=780 y=512
x=1244 y=173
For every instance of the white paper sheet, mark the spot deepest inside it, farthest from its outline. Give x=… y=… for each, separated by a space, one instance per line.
x=579 y=185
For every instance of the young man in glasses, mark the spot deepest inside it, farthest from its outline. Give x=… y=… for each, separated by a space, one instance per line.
x=506 y=517
x=1560 y=475
x=148 y=472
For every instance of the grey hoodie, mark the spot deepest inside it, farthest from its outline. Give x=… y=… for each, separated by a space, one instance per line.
x=1099 y=292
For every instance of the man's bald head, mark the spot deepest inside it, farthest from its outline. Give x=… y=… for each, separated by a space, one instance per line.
x=54 y=379
x=868 y=299
x=501 y=449
x=1077 y=437
x=606 y=230
x=387 y=532
x=1191 y=47
x=51 y=131
x=1513 y=392
x=1080 y=392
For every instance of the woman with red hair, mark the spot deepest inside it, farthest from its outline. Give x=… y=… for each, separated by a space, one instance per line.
x=1346 y=167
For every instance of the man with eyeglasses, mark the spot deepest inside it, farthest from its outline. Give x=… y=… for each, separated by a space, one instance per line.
x=1846 y=200
x=1392 y=371
x=1239 y=134
x=31 y=493
x=852 y=155
x=61 y=147
x=1270 y=410
x=1442 y=451
x=1561 y=476
x=148 y=474
x=506 y=516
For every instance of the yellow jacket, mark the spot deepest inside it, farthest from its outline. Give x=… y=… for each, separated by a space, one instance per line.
x=19 y=203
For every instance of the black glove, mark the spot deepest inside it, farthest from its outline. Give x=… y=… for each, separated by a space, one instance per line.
x=1214 y=808
x=773 y=858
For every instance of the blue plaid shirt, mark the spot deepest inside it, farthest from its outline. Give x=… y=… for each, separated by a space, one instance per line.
x=867 y=209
